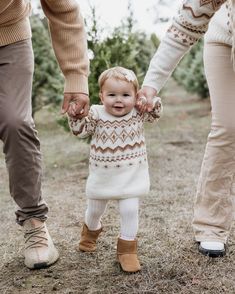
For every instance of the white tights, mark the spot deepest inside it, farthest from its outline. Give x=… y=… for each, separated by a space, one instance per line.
x=128 y=208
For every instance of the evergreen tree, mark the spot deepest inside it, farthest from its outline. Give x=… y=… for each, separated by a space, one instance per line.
x=123 y=47
x=190 y=72
x=48 y=81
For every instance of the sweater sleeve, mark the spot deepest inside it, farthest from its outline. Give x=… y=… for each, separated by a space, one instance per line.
x=69 y=42
x=188 y=26
x=86 y=126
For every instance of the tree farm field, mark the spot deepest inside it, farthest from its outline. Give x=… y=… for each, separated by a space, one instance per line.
x=167 y=250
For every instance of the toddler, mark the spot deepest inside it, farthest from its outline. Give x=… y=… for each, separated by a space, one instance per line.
x=118 y=167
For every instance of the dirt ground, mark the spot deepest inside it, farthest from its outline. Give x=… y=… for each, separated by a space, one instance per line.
x=168 y=254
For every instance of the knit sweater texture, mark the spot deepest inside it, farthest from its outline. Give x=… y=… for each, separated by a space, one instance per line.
x=188 y=26
x=67 y=34
x=118 y=166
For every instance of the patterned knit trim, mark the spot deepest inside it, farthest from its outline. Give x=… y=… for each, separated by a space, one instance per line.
x=121 y=159
x=181 y=36
x=193 y=13
x=193 y=28
x=215 y=3
x=118 y=148
x=122 y=123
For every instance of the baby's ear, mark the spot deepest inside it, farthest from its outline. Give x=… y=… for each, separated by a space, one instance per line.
x=101 y=96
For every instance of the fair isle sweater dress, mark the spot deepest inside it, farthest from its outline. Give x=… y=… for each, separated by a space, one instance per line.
x=118 y=166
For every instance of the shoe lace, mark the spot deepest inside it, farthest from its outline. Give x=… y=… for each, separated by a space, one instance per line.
x=36 y=237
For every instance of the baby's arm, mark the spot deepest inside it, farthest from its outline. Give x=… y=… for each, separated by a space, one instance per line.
x=85 y=126
x=155 y=114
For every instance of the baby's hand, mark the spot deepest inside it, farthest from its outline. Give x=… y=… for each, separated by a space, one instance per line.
x=158 y=104
x=148 y=93
x=141 y=103
x=72 y=110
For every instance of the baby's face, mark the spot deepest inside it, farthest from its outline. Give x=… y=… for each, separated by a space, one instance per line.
x=118 y=97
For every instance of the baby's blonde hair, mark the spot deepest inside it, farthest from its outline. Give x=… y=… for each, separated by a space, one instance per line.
x=119 y=73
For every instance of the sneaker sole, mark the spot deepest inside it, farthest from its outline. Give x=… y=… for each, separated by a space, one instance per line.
x=211 y=253
x=40 y=265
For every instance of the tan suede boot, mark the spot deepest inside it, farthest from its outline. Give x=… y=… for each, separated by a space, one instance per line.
x=127 y=255
x=88 y=239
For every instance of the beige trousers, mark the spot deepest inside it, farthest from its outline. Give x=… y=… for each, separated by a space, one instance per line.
x=213 y=213
x=17 y=131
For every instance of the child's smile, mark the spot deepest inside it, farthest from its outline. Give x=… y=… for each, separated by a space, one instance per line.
x=118 y=96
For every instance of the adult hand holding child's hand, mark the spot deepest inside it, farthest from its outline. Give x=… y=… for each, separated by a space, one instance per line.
x=75 y=104
x=145 y=99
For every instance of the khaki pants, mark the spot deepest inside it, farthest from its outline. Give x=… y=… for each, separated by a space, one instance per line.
x=17 y=131
x=213 y=213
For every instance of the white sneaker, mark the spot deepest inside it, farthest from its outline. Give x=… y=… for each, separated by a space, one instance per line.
x=212 y=248
x=39 y=251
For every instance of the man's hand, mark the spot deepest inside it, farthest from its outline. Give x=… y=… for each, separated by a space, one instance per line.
x=75 y=104
x=145 y=99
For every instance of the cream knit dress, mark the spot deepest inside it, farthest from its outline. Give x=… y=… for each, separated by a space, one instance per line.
x=118 y=166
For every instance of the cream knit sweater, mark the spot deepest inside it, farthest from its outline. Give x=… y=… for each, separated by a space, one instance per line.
x=190 y=24
x=67 y=33
x=118 y=166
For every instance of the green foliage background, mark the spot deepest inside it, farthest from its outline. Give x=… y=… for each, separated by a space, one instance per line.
x=48 y=80
x=190 y=72
x=124 y=46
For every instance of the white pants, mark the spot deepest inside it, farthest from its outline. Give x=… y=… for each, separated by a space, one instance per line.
x=128 y=208
x=213 y=214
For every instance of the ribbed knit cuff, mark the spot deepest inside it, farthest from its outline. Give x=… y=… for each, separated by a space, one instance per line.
x=76 y=83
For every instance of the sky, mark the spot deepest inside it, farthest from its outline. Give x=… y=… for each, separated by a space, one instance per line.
x=111 y=12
